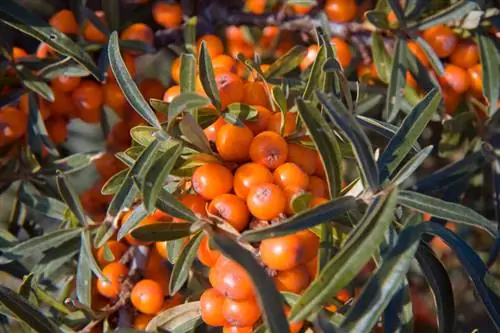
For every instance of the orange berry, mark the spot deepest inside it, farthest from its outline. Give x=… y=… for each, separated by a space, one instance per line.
x=141 y=321
x=213 y=43
x=212 y=130
x=175 y=70
x=206 y=255
x=301 y=9
x=235 y=329
x=107 y=165
x=310 y=242
x=157 y=271
x=312 y=267
x=231 y=88
x=172 y=301
x=256 y=6
x=151 y=88
x=147 y=296
x=266 y=201
x=234 y=34
x=138 y=31
x=230 y=208
x=455 y=78
x=341 y=10
x=44 y=51
x=42 y=106
x=260 y=124
x=241 y=313
x=310 y=57
x=320 y=168
x=168 y=15
x=451 y=99
x=193 y=202
x=317 y=201
x=244 y=48
x=466 y=54
x=18 y=53
x=282 y=253
x=116 y=248
x=255 y=94
x=115 y=272
x=171 y=93
x=274 y=123
x=392 y=18
x=211 y=180
x=418 y=53
x=343 y=296
x=233 y=142
x=12 y=124
x=295 y=327
x=342 y=50
x=303 y=157
x=161 y=249
x=269 y=36
x=213 y=276
x=294 y=280
x=62 y=104
x=289 y=174
x=232 y=280
x=65 y=83
x=57 y=130
x=249 y=175
x=88 y=99
x=442 y=39
x=224 y=63
x=114 y=98
x=475 y=78
x=317 y=187
x=65 y=22
x=91 y=33
x=410 y=80
x=269 y=149
x=211 y=303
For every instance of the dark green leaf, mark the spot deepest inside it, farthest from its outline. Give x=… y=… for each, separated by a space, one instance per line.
x=112 y=13
x=174 y=249
x=316 y=75
x=184 y=102
x=68 y=165
x=114 y=183
x=67 y=66
x=411 y=166
x=381 y=58
x=396 y=8
x=190 y=34
x=397 y=81
x=83 y=279
x=159 y=232
x=286 y=62
x=35 y=84
x=71 y=199
x=188 y=73
x=242 y=111
x=436 y=63
x=452 y=12
x=279 y=99
x=159 y=105
x=377 y=18
x=183 y=264
x=89 y=257
x=42 y=243
x=168 y=204
x=176 y=318
x=490 y=66
x=37 y=135
x=207 y=76
x=194 y=134
x=138 y=214
x=43 y=204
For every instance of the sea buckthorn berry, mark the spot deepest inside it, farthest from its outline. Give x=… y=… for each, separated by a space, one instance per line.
x=116 y=248
x=211 y=180
x=302 y=156
x=233 y=142
x=317 y=187
x=442 y=39
x=466 y=54
x=91 y=33
x=168 y=15
x=320 y=168
x=138 y=31
x=193 y=202
x=171 y=93
x=62 y=105
x=289 y=174
x=172 y=301
x=141 y=321
x=418 y=53
x=44 y=51
x=266 y=201
x=342 y=51
x=231 y=88
x=147 y=296
x=161 y=249
x=410 y=80
x=255 y=94
x=341 y=10
x=269 y=149
x=65 y=83
x=175 y=70
x=451 y=99
x=455 y=78
x=475 y=78
x=235 y=329
x=232 y=280
x=213 y=43
x=57 y=130
x=256 y=6
x=206 y=255
x=157 y=271
x=12 y=124
x=232 y=209
x=274 y=123
x=317 y=201
x=212 y=276
x=310 y=242
x=211 y=303
x=115 y=272
x=241 y=313
x=249 y=175
x=107 y=165
x=43 y=106
x=295 y=327
x=88 y=99
x=312 y=53
x=212 y=130
x=294 y=280
x=114 y=98
x=282 y=253
x=224 y=63
x=343 y=296
x=301 y=9
x=18 y=53
x=151 y=88
x=312 y=267
x=392 y=18
x=260 y=124
x=65 y=22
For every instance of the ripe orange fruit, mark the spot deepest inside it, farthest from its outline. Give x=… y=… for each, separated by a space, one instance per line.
x=193 y=202
x=466 y=54
x=341 y=10
x=302 y=156
x=293 y=280
x=232 y=280
x=44 y=51
x=475 y=78
x=156 y=270
x=289 y=174
x=260 y=124
x=266 y=201
x=442 y=39
x=12 y=124
x=295 y=327
x=392 y=18
x=57 y=130
x=342 y=50
x=230 y=208
x=91 y=33
x=114 y=98
x=343 y=296
x=301 y=9
x=147 y=296
x=274 y=123
x=269 y=149
x=320 y=168
x=18 y=53
x=249 y=175
x=65 y=22
x=151 y=88
x=231 y=88
x=138 y=31
x=175 y=70
x=62 y=104
x=255 y=94
x=241 y=313
x=211 y=180
x=317 y=187
x=172 y=301
x=233 y=142
x=224 y=62
x=455 y=78
x=42 y=106
x=171 y=93
x=141 y=321
x=115 y=272
x=116 y=248
x=206 y=255
x=312 y=53
x=310 y=242
x=212 y=130
x=168 y=15
x=418 y=53
x=213 y=43
x=88 y=99
x=65 y=83
x=235 y=329
x=317 y=201
x=211 y=302
x=312 y=268
x=107 y=165
x=256 y=6
x=410 y=80
x=451 y=99
x=269 y=36
x=282 y=253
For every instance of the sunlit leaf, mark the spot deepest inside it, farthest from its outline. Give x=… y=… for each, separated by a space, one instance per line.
x=452 y=12
x=207 y=76
x=286 y=62
x=176 y=317
x=42 y=243
x=411 y=166
x=490 y=65
x=397 y=81
x=159 y=232
x=70 y=197
x=183 y=264
x=381 y=58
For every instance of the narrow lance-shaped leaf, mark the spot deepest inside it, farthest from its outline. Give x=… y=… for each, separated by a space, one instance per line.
x=87 y=251
x=38 y=137
x=490 y=65
x=381 y=58
x=193 y=132
x=358 y=249
x=397 y=81
x=436 y=63
x=316 y=75
x=35 y=84
x=411 y=166
x=67 y=66
x=159 y=232
x=42 y=243
x=207 y=76
x=279 y=100
x=286 y=62
x=188 y=73
x=169 y=204
x=360 y=143
x=127 y=84
x=398 y=10
x=171 y=319
x=185 y=102
x=133 y=219
x=71 y=198
x=180 y=272
x=83 y=279
x=44 y=205
x=453 y=12
x=112 y=13
x=190 y=34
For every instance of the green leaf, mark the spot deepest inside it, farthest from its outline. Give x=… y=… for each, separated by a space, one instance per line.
x=279 y=99
x=113 y=184
x=194 y=133
x=300 y=202
x=188 y=73
x=268 y=297
x=184 y=102
x=176 y=318
x=16 y=16
x=303 y=220
x=190 y=34
x=411 y=128
x=397 y=81
x=383 y=285
x=70 y=164
x=180 y=272
x=159 y=105
x=89 y=257
x=36 y=132
x=490 y=66
x=411 y=166
x=168 y=204
x=159 y=232
x=449 y=13
x=446 y=210
x=26 y=312
x=42 y=243
x=316 y=75
x=70 y=197
x=242 y=111
x=35 y=84
x=345 y=120
x=83 y=279
x=127 y=84
x=377 y=18
x=286 y=63
x=436 y=63
x=352 y=257
x=326 y=144
x=112 y=12
x=207 y=76
x=44 y=205
x=67 y=66
x=138 y=214
x=381 y=58
x=174 y=249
